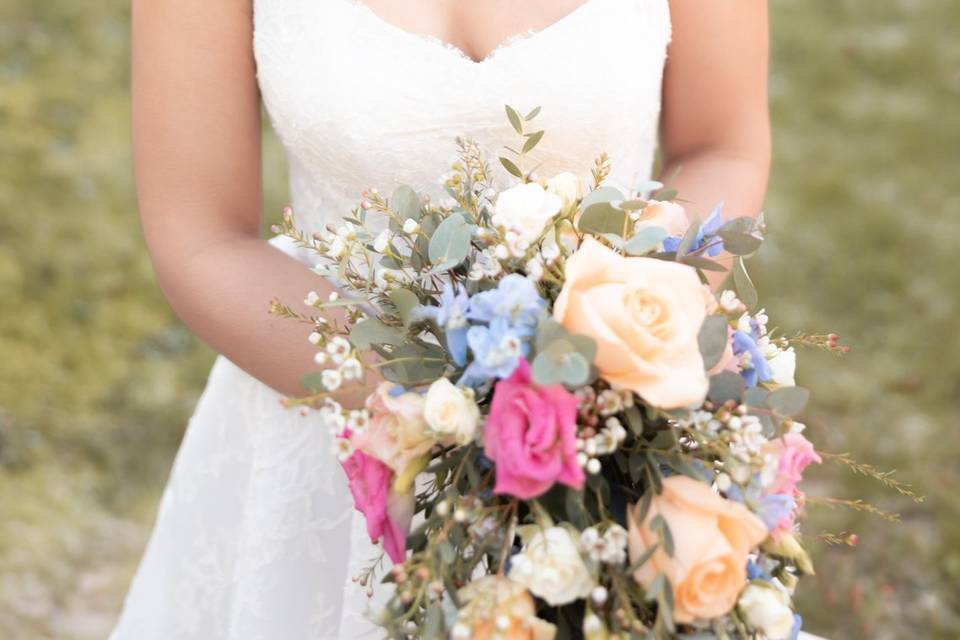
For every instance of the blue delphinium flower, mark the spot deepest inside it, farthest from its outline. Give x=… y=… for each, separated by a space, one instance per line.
x=797 y=625
x=754 y=572
x=497 y=350
x=451 y=315
x=515 y=299
x=755 y=367
x=775 y=508
x=709 y=228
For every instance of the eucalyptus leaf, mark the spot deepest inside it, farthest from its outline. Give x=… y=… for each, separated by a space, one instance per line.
x=405 y=202
x=450 y=242
x=666 y=194
x=645 y=240
x=405 y=301
x=704 y=264
x=603 y=194
x=724 y=386
x=688 y=238
x=514 y=118
x=533 y=114
x=740 y=244
x=312 y=382
x=373 y=331
x=603 y=217
x=532 y=140
x=743 y=285
x=755 y=396
x=633 y=205
x=511 y=167
x=742 y=224
x=648 y=186
x=559 y=363
x=713 y=339
x=788 y=401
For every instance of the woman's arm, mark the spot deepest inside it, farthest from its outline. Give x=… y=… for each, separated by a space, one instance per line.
x=715 y=124
x=196 y=144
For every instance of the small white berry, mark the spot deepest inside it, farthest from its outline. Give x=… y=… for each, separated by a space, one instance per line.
x=593 y=466
x=320 y=357
x=314 y=337
x=599 y=595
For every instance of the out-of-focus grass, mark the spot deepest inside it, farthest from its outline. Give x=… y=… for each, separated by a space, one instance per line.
x=99 y=377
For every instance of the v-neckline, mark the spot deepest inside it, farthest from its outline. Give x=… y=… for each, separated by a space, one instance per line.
x=494 y=54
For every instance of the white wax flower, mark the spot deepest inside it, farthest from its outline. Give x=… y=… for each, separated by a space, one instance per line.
x=550 y=566
x=766 y=609
x=451 y=411
x=526 y=209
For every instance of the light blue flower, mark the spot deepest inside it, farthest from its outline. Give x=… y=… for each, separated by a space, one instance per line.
x=756 y=369
x=497 y=350
x=775 y=508
x=516 y=299
x=451 y=316
x=706 y=233
x=797 y=625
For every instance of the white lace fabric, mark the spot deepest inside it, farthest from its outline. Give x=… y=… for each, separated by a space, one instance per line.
x=256 y=537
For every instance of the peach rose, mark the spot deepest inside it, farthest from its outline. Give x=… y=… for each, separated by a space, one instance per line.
x=644 y=314
x=491 y=597
x=712 y=537
x=397 y=432
x=666 y=215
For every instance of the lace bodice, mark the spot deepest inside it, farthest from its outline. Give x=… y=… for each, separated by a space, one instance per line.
x=357 y=101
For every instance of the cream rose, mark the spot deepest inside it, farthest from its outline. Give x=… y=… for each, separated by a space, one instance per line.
x=712 y=537
x=526 y=209
x=767 y=609
x=550 y=566
x=567 y=186
x=396 y=433
x=451 y=411
x=783 y=363
x=644 y=314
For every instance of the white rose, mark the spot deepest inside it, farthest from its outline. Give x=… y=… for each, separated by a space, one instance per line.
x=567 y=186
x=451 y=411
x=766 y=609
x=526 y=209
x=550 y=566
x=784 y=364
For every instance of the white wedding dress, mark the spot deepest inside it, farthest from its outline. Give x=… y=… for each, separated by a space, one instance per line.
x=256 y=537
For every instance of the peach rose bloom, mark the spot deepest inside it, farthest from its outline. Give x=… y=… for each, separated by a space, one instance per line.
x=666 y=215
x=397 y=432
x=490 y=597
x=644 y=314
x=712 y=537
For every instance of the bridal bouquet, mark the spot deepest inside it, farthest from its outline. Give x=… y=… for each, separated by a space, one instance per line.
x=573 y=435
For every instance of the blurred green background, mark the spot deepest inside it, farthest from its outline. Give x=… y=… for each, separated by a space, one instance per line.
x=98 y=377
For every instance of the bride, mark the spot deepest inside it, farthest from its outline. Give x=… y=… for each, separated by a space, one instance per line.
x=256 y=537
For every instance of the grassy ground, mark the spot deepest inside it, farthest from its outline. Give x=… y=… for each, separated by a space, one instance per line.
x=99 y=377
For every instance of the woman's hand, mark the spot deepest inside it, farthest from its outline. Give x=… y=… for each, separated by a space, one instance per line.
x=715 y=124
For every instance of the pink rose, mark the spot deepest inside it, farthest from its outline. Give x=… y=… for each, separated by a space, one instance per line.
x=388 y=514
x=796 y=454
x=531 y=436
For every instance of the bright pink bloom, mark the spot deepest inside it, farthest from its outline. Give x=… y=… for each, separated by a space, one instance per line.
x=531 y=436
x=388 y=514
x=796 y=453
